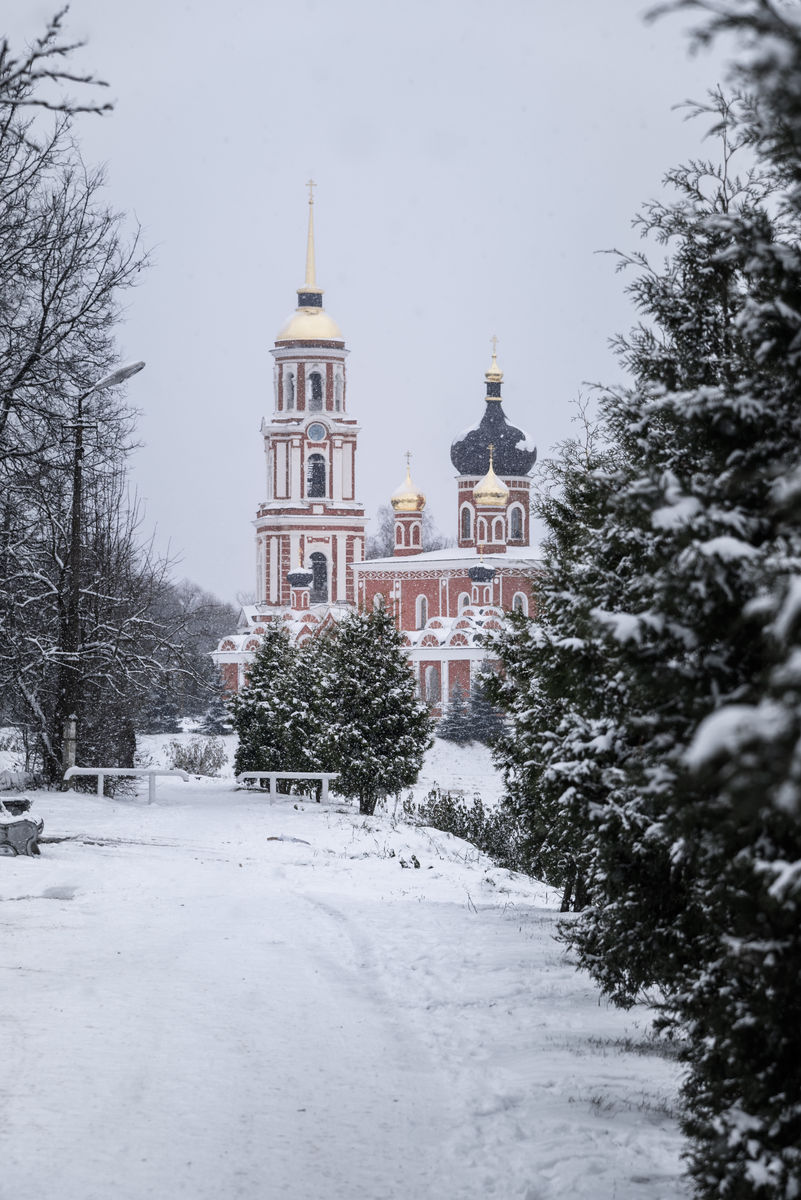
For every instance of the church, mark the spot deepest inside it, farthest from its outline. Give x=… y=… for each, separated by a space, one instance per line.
x=310 y=529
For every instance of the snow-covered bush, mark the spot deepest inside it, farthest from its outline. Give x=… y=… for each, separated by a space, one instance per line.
x=493 y=831
x=200 y=756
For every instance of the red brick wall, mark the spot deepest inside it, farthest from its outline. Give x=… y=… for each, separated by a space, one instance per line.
x=230 y=674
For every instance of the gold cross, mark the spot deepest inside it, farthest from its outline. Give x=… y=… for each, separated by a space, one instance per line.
x=494 y=341
x=311 y=185
x=408 y=458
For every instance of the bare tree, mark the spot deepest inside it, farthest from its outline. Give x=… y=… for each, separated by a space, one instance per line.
x=78 y=587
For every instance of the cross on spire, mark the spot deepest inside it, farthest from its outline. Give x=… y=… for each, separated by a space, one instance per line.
x=494 y=341
x=311 y=185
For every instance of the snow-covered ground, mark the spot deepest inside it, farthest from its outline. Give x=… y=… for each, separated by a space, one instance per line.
x=219 y=997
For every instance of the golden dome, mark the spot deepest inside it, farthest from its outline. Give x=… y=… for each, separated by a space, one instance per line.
x=406 y=498
x=310 y=325
x=491 y=492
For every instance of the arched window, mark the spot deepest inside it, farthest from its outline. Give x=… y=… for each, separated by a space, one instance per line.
x=432 y=685
x=421 y=611
x=289 y=389
x=520 y=603
x=398 y=533
x=481 y=531
x=315 y=392
x=497 y=529
x=378 y=600
x=415 y=535
x=315 y=476
x=318 y=592
x=339 y=387
x=464 y=600
x=515 y=523
x=467 y=524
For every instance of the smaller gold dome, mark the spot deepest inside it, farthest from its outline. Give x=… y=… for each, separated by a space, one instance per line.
x=491 y=492
x=310 y=325
x=406 y=498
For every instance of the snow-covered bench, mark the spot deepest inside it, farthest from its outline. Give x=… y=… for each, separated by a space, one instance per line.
x=274 y=776
x=19 y=833
x=102 y=772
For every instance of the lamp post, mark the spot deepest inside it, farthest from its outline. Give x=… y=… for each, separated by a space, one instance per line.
x=72 y=630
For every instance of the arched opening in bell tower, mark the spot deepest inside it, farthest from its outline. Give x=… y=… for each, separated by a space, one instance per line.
x=315 y=476
x=318 y=593
x=315 y=392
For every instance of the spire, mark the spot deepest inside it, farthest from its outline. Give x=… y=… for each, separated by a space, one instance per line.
x=494 y=375
x=310 y=296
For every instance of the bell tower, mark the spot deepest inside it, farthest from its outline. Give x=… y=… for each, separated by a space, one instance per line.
x=310 y=520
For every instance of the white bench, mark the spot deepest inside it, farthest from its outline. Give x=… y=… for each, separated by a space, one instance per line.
x=274 y=776
x=101 y=773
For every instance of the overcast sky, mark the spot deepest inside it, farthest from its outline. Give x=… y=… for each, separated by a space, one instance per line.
x=471 y=159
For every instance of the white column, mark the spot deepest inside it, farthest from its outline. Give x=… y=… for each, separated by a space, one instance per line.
x=446 y=690
x=274 y=570
x=342 y=568
x=295 y=491
x=260 y=570
x=336 y=471
x=294 y=551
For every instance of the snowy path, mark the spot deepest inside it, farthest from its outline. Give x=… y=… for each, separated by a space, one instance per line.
x=199 y=1012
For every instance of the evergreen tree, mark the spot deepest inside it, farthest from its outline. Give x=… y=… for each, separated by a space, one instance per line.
x=455 y=725
x=741 y=800
x=550 y=665
x=675 y=745
x=160 y=715
x=377 y=728
x=484 y=721
x=279 y=714
x=217 y=717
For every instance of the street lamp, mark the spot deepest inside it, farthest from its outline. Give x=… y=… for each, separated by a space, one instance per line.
x=72 y=639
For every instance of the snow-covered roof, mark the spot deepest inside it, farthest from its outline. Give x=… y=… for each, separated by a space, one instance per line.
x=465 y=629
x=455 y=557
x=300 y=623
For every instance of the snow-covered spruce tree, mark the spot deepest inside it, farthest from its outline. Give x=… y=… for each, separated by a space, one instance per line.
x=281 y=712
x=485 y=723
x=682 y=533
x=740 y=803
x=559 y=718
x=376 y=727
x=217 y=717
x=454 y=726
x=262 y=710
x=682 y=882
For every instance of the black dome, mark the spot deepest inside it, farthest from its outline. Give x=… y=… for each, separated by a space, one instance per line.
x=470 y=453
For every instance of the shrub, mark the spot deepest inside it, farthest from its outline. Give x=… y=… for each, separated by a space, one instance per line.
x=493 y=831
x=200 y=756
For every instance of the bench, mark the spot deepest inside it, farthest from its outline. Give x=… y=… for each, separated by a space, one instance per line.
x=19 y=834
x=274 y=776
x=102 y=772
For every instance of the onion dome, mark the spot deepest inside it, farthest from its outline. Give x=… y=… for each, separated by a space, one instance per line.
x=515 y=453
x=491 y=492
x=406 y=498
x=301 y=578
x=310 y=322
